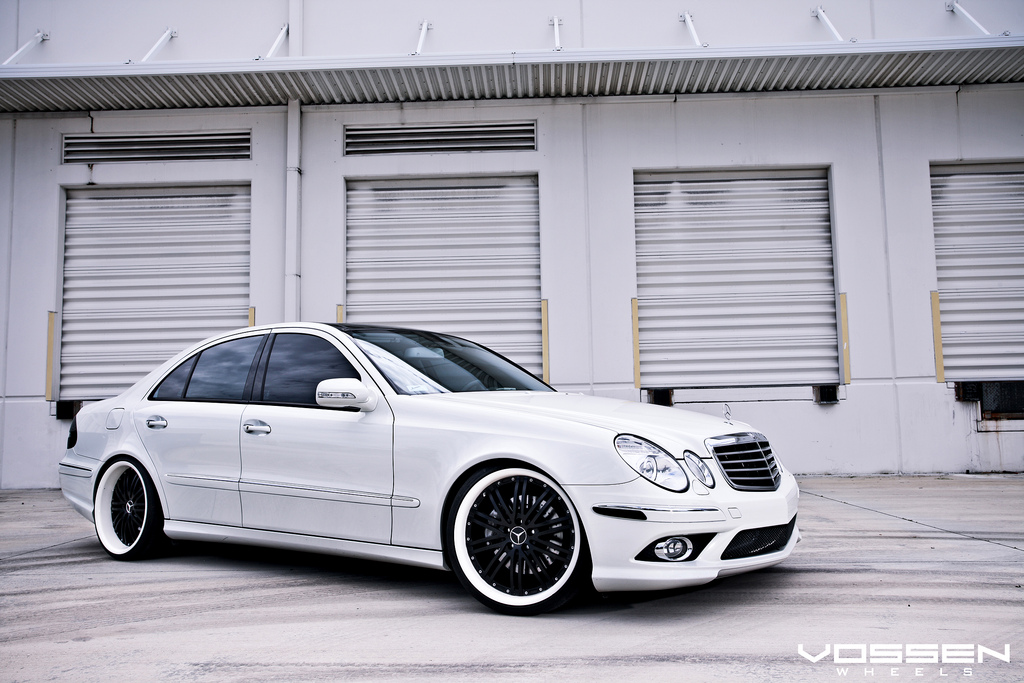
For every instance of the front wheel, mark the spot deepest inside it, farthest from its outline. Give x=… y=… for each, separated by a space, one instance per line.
x=515 y=541
x=129 y=522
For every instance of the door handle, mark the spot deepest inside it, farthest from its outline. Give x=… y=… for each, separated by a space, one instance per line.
x=256 y=427
x=156 y=422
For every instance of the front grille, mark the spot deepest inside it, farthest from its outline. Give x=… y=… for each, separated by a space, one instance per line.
x=747 y=461
x=752 y=542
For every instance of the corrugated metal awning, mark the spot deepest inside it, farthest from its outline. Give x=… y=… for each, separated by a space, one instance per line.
x=569 y=73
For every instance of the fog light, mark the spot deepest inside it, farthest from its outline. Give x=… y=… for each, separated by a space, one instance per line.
x=675 y=549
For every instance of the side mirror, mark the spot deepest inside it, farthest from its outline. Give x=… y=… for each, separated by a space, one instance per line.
x=345 y=393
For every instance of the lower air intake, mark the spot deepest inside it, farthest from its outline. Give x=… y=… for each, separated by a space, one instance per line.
x=753 y=542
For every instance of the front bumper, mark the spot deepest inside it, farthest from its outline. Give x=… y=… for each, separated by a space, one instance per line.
x=616 y=541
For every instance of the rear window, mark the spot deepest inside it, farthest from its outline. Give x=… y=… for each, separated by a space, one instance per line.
x=219 y=373
x=173 y=385
x=222 y=371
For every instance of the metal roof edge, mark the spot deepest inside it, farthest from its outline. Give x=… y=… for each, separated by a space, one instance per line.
x=535 y=57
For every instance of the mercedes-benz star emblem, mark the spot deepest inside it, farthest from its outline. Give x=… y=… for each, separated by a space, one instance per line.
x=128 y=506
x=518 y=535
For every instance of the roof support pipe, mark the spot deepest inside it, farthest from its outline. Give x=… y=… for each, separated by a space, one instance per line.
x=687 y=19
x=292 y=219
x=164 y=39
x=277 y=43
x=39 y=37
x=556 y=22
x=424 y=27
x=819 y=12
x=956 y=8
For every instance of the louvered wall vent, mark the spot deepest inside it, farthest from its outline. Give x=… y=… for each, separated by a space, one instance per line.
x=463 y=137
x=92 y=149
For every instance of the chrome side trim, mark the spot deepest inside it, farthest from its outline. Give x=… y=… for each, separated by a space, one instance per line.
x=321 y=492
x=668 y=513
x=654 y=508
x=202 y=481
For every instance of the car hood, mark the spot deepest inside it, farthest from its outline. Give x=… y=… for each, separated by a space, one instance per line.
x=643 y=419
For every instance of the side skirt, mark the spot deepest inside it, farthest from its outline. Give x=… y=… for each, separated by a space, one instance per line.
x=215 y=533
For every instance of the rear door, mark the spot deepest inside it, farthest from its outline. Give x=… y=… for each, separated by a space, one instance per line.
x=191 y=426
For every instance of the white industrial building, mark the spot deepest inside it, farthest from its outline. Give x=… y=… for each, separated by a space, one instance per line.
x=813 y=215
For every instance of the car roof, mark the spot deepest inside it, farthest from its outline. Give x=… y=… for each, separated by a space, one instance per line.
x=349 y=328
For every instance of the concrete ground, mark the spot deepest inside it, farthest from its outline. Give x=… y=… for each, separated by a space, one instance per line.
x=894 y=561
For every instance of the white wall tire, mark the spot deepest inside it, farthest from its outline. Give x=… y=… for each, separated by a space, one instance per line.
x=515 y=541
x=129 y=521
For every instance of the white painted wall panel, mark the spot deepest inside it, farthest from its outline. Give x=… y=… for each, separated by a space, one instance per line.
x=912 y=130
x=7 y=193
x=114 y=31
x=32 y=438
x=118 y=30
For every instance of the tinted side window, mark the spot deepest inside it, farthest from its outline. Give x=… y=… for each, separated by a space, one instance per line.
x=222 y=371
x=174 y=384
x=298 y=362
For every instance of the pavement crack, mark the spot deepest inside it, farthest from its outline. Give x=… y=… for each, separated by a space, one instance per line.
x=913 y=521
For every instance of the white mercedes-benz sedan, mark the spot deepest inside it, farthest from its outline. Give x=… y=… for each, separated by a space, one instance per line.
x=426 y=449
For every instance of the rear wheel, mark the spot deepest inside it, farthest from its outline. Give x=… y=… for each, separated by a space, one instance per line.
x=515 y=541
x=129 y=522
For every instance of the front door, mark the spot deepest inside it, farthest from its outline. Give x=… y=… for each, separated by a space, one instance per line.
x=312 y=470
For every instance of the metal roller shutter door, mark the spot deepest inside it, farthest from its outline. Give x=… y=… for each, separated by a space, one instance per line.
x=979 y=257
x=734 y=279
x=146 y=273
x=455 y=255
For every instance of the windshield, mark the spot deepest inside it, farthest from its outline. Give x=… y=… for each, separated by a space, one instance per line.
x=426 y=363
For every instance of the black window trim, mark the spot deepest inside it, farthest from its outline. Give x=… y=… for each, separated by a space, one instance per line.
x=254 y=383
x=184 y=387
x=249 y=380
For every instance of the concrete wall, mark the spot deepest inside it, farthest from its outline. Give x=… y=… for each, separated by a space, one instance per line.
x=877 y=145
x=893 y=416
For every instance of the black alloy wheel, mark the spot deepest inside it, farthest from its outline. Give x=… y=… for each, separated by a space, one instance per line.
x=129 y=519
x=516 y=541
x=128 y=506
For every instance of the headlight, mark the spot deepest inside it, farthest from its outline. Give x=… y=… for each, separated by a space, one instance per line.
x=699 y=469
x=652 y=463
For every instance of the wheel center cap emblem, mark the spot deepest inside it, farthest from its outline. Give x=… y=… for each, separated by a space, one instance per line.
x=517 y=535
x=128 y=506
